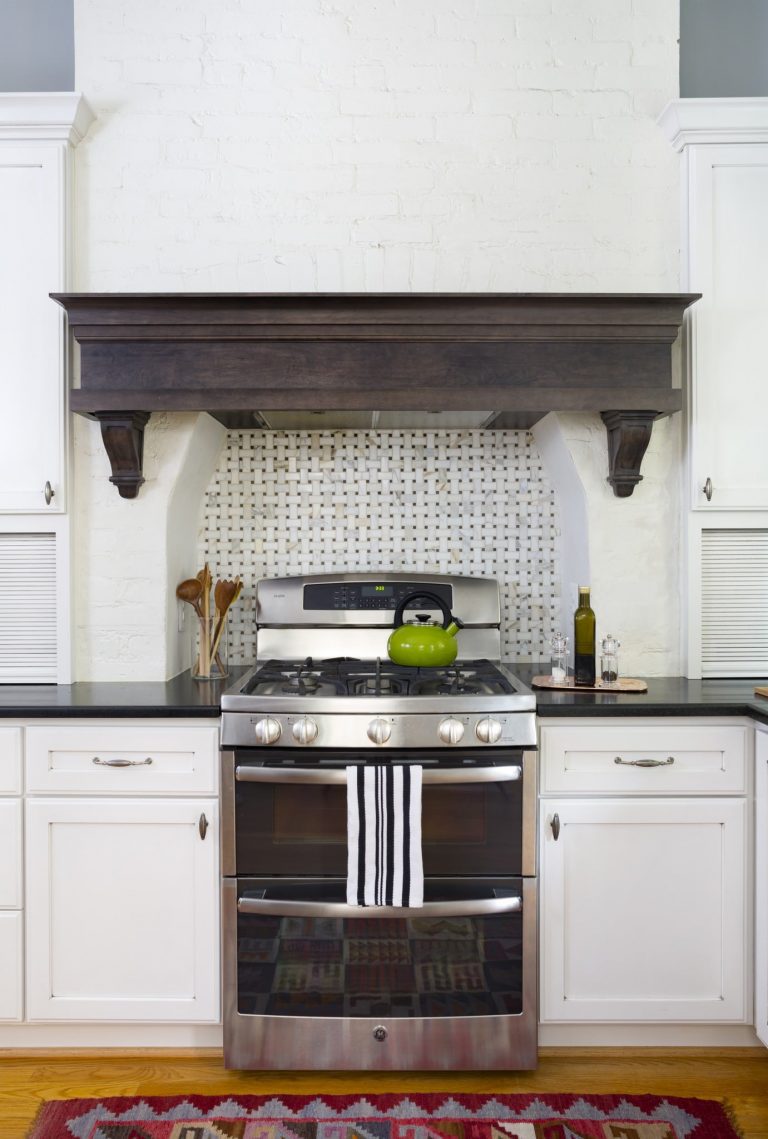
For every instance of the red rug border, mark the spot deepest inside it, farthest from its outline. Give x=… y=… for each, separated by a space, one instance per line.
x=716 y=1117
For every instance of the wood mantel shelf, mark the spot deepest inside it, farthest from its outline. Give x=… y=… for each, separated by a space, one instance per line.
x=233 y=354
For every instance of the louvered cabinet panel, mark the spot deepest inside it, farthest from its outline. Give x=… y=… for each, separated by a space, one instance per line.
x=734 y=602
x=28 y=608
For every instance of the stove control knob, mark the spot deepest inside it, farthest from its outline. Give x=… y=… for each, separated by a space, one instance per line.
x=450 y=731
x=268 y=731
x=305 y=730
x=379 y=731
x=488 y=730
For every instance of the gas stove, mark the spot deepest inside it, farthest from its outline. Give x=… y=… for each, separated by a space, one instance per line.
x=322 y=697
x=348 y=694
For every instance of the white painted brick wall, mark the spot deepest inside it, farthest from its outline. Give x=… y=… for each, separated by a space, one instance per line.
x=371 y=145
x=362 y=144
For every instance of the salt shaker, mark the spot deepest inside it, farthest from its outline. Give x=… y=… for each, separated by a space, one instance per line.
x=559 y=644
x=609 y=661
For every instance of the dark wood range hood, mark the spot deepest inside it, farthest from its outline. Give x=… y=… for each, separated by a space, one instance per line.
x=242 y=356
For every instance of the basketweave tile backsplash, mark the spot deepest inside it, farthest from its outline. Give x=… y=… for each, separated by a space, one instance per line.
x=464 y=502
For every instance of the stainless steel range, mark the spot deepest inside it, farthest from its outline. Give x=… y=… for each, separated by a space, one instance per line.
x=309 y=981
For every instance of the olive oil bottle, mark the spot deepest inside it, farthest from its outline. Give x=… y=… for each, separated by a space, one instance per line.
x=584 y=640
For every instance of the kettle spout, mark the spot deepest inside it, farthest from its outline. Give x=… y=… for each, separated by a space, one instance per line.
x=454 y=626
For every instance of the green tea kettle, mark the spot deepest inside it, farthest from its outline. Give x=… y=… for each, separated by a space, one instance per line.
x=422 y=642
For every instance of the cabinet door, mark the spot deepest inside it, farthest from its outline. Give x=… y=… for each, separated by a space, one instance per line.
x=10 y=854
x=32 y=209
x=643 y=914
x=122 y=909
x=761 y=887
x=11 y=984
x=727 y=256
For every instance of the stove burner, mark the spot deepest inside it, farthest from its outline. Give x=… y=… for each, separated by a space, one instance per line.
x=451 y=682
x=302 y=681
x=380 y=683
x=458 y=684
x=345 y=676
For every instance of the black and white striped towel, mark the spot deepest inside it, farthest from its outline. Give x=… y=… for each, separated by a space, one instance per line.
x=384 y=836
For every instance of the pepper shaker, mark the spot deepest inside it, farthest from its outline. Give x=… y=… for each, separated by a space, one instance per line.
x=609 y=661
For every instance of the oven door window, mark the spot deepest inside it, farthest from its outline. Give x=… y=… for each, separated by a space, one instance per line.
x=322 y=963
x=467 y=828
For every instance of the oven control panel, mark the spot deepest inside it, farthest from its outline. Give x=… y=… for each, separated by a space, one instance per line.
x=457 y=731
x=356 y=595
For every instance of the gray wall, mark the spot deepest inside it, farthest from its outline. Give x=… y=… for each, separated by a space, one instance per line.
x=723 y=48
x=37 y=45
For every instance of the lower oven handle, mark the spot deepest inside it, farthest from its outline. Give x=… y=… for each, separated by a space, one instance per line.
x=338 y=775
x=281 y=908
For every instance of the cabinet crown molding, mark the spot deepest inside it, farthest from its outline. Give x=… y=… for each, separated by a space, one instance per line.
x=44 y=116
x=689 y=122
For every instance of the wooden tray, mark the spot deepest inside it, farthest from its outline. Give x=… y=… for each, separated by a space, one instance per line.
x=623 y=684
x=761 y=692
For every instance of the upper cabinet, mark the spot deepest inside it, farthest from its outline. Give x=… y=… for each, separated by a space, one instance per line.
x=37 y=136
x=724 y=144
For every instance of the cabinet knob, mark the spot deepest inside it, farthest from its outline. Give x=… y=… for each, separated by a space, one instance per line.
x=202 y=826
x=49 y=494
x=555 y=824
x=707 y=488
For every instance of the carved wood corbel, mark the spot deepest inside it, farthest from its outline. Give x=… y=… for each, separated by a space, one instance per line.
x=629 y=433
x=122 y=433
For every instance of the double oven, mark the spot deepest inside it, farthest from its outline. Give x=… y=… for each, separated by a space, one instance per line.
x=311 y=982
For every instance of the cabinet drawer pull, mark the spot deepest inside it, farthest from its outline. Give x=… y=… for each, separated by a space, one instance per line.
x=645 y=762
x=121 y=762
x=202 y=826
x=555 y=824
x=48 y=494
x=707 y=488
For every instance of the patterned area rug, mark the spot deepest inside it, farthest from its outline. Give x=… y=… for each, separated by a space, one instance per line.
x=403 y=1116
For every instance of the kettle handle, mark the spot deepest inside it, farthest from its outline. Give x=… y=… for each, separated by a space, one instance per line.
x=427 y=596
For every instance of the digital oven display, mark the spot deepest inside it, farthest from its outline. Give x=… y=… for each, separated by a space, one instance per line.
x=352 y=595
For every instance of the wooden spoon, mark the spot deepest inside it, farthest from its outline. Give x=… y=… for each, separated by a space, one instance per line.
x=191 y=591
x=225 y=595
x=205 y=579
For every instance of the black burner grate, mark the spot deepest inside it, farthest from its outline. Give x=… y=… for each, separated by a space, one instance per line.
x=345 y=676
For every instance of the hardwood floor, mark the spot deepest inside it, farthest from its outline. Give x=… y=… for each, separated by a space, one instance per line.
x=739 y=1075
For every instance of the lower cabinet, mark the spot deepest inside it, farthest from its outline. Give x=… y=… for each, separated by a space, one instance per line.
x=122 y=909
x=11 y=972
x=761 y=885
x=644 y=910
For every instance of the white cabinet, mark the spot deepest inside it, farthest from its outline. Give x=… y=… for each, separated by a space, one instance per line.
x=644 y=757
x=10 y=854
x=37 y=133
x=122 y=909
x=645 y=881
x=761 y=885
x=101 y=759
x=724 y=147
x=727 y=256
x=11 y=977
x=643 y=910
x=11 y=893
x=32 y=189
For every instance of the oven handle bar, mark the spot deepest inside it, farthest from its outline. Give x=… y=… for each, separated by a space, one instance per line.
x=280 y=908
x=246 y=774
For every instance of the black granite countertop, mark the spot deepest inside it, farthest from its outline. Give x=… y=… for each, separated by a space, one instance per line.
x=184 y=697
x=666 y=696
x=180 y=697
